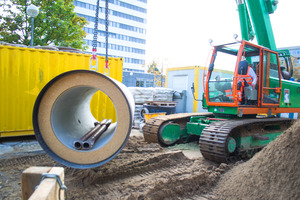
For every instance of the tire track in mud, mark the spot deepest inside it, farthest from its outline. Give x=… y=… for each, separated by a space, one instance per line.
x=144 y=175
x=40 y=158
x=139 y=171
x=126 y=167
x=142 y=168
x=174 y=182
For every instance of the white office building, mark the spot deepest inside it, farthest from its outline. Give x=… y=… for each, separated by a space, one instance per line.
x=127 y=29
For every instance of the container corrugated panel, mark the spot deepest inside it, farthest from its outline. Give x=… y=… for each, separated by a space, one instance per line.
x=25 y=71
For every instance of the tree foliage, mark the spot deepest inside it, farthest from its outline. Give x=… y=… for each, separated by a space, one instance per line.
x=158 y=74
x=152 y=68
x=56 y=23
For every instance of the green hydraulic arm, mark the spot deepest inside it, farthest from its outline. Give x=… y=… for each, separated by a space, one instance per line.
x=245 y=22
x=259 y=11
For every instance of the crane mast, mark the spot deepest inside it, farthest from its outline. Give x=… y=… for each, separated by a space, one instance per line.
x=259 y=16
x=259 y=11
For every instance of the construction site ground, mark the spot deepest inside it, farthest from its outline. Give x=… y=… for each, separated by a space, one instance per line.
x=148 y=171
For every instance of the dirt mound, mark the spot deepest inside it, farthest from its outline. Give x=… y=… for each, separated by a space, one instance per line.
x=272 y=173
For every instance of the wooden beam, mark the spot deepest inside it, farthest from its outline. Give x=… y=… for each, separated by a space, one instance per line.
x=47 y=189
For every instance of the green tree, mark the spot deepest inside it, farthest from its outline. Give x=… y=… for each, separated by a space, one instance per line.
x=56 y=23
x=158 y=76
x=152 y=68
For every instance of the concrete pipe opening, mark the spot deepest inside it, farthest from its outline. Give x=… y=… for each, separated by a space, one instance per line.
x=62 y=114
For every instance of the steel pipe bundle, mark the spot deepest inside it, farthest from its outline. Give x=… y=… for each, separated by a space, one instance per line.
x=78 y=144
x=90 y=142
x=62 y=114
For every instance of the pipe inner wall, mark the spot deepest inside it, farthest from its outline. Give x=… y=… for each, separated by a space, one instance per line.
x=62 y=114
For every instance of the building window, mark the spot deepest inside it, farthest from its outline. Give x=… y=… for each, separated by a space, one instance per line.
x=114 y=24
x=115 y=13
x=139 y=83
x=133 y=7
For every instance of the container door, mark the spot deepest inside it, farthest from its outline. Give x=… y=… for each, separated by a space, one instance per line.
x=180 y=82
x=270 y=80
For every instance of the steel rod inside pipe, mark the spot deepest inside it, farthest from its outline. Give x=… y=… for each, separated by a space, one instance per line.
x=88 y=144
x=78 y=144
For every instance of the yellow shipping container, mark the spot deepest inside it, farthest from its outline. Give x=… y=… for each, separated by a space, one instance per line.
x=25 y=71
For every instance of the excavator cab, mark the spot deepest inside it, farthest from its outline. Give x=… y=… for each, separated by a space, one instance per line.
x=230 y=88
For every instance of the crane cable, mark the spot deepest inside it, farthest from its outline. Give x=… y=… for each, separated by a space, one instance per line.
x=106 y=38
x=94 y=49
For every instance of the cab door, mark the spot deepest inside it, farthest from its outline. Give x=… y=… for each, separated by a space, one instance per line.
x=270 y=79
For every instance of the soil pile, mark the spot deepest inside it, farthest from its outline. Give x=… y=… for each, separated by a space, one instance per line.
x=273 y=173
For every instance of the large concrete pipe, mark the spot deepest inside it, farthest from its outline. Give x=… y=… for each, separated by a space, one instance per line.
x=62 y=114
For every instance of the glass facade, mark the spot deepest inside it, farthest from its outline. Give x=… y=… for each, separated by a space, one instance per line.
x=127 y=29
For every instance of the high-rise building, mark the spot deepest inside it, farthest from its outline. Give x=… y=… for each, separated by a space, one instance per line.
x=127 y=29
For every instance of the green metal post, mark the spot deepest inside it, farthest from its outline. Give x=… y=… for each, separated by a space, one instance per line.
x=245 y=22
x=259 y=11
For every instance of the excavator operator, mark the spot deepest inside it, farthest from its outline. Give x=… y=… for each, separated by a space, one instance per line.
x=246 y=78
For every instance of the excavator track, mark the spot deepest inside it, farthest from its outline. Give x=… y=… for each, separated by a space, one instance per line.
x=153 y=125
x=214 y=138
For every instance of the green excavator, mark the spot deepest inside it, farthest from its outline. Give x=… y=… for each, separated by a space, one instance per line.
x=243 y=109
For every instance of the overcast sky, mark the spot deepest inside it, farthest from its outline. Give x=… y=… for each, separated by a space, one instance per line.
x=178 y=31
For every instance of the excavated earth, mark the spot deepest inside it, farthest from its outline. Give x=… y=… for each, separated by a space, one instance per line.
x=147 y=171
x=139 y=171
x=273 y=173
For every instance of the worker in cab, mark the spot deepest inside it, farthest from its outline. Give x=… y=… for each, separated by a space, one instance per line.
x=246 y=79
